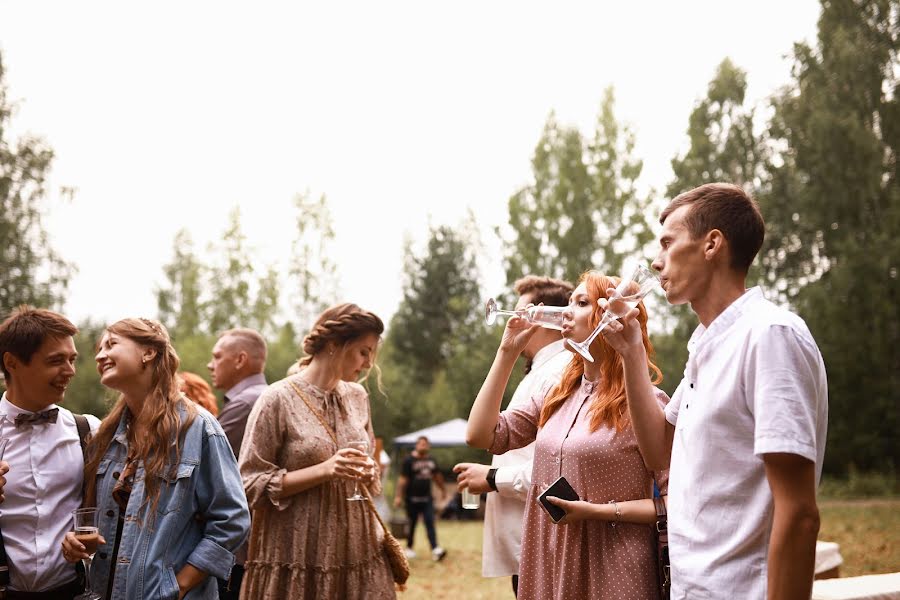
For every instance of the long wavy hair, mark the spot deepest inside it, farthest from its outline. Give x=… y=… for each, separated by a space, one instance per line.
x=338 y=325
x=609 y=405
x=159 y=450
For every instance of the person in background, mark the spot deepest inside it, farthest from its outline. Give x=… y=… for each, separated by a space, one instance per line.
x=43 y=463
x=301 y=462
x=510 y=474
x=604 y=547
x=745 y=431
x=196 y=389
x=162 y=477
x=236 y=367
x=414 y=491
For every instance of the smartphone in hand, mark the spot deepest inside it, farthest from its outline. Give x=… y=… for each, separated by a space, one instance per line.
x=558 y=489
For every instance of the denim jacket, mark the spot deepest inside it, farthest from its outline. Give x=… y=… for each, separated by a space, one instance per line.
x=201 y=519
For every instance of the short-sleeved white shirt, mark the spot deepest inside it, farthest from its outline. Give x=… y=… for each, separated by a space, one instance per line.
x=754 y=384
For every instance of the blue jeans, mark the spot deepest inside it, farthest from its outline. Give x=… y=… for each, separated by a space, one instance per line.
x=426 y=509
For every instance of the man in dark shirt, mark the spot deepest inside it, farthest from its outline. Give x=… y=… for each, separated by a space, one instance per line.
x=236 y=367
x=414 y=487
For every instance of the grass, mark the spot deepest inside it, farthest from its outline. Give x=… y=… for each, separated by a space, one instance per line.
x=868 y=532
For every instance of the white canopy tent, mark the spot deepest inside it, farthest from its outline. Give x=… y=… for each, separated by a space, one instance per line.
x=443 y=435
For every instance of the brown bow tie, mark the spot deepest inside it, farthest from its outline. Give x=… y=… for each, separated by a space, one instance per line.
x=47 y=416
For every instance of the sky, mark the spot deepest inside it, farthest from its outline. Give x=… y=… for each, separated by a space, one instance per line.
x=167 y=115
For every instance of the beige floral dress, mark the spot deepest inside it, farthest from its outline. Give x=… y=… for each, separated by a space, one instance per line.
x=314 y=544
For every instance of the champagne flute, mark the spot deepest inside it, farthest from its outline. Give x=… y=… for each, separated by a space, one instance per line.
x=87 y=532
x=362 y=446
x=628 y=293
x=550 y=317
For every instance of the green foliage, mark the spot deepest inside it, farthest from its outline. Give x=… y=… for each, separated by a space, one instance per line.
x=31 y=272
x=833 y=208
x=179 y=304
x=85 y=394
x=312 y=271
x=877 y=484
x=440 y=294
x=582 y=210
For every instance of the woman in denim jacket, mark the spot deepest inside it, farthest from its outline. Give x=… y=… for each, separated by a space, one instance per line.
x=160 y=470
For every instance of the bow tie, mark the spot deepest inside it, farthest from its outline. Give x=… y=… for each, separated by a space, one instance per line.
x=47 y=416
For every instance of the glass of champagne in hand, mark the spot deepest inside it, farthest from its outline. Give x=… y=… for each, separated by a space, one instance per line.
x=88 y=534
x=628 y=293
x=362 y=446
x=550 y=317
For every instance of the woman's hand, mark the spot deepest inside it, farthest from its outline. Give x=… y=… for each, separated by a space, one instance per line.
x=349 y=463
x=73 y=550
x=576 y=510
x=516 y=335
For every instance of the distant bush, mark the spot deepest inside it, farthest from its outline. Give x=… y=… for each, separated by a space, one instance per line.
x=860 y=485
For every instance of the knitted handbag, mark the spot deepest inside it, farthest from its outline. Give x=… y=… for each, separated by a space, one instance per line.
x=396 y=557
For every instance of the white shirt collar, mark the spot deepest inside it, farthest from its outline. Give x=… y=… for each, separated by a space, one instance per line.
x=547 y=352
x=10 y=411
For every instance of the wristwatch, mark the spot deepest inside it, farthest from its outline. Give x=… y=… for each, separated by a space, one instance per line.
x=491 y=475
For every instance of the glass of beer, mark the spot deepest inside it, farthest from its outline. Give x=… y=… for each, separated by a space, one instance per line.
x=87 y=532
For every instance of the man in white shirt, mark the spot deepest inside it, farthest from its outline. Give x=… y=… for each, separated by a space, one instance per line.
x=43 y=457
x=744 y=433
x=510 y=474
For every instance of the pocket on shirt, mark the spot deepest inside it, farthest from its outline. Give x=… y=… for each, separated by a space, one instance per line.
x=175 y=486
x=168 y=586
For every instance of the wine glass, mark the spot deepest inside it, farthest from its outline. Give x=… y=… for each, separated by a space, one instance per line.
x=362 y=446
x=88 y=534
x=550 y=317
x=628 y=293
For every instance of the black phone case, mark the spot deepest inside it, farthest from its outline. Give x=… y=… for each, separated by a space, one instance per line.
x=558 y=489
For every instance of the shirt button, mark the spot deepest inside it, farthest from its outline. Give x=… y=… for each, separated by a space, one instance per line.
x=103 y=555
x=692 y=386
x=116 y=473
x=556 y=460
x=110 y=513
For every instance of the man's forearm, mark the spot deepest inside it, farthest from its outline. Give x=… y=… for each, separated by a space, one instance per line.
x=647 y=419
x=792 y=555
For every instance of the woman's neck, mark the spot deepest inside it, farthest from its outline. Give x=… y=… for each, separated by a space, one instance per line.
x=319 y=372
x=591 y=371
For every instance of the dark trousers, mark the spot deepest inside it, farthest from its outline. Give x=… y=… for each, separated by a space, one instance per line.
x=515 y=581
x=64 y=592
x=230 y=589
x=426 y=509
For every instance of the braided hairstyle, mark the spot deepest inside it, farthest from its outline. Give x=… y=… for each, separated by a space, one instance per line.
x=334 y=328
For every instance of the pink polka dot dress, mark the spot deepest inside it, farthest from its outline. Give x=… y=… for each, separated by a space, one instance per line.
x=587 y=559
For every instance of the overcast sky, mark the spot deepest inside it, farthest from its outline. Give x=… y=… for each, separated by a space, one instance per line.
x=168 y=115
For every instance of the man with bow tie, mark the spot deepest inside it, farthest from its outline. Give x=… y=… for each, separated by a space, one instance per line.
x=43 y=456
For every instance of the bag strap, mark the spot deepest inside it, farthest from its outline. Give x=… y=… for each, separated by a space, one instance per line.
x=662 y=520
x=313 y=410
x=327 y=428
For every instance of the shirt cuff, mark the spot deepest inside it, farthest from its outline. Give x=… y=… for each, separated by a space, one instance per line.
x=512 y=482
x=212 y=558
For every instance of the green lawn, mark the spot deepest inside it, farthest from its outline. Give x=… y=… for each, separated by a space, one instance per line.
x=868 y=532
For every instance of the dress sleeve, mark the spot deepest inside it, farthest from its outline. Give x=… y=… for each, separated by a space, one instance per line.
x=260 y=472
x=518 y=427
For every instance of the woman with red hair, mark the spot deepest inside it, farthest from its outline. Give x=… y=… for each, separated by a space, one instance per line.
x=195 y=388
x=604 y=546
